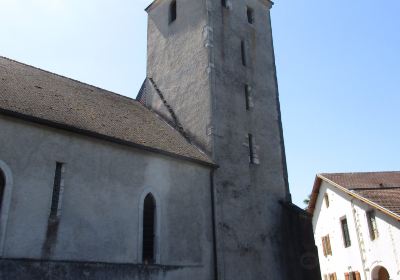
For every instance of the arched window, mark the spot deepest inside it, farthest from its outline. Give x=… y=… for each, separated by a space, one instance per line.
x=172 y=11
x=149 y=219
x=2 y=187
x=380 y=273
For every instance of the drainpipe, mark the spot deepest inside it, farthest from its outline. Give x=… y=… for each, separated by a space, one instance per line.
x=213 y=220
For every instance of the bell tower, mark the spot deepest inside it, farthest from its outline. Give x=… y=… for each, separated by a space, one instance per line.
x=213 y=76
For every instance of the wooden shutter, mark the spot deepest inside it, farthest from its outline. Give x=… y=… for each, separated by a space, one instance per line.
x=347 y=276
x=324 y=245
x=328 y=246
x=358 y=276
x=334 y=276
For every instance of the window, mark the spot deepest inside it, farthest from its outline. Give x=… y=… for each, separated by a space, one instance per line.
x=243 y=51
x=224 y=3
x=345 y=232
x=2 y=187
x=325 y=277
x=172 y=11
x=55 y=199
x=373 y=229
x=326 y=245
x=149 y=217
x=247 y=92
x=250 y=15
x=251 y=148
x=326 y=199
x=352 y=276
x=332 y=276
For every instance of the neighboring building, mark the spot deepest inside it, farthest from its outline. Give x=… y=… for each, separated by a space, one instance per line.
x=188 y=182
x=356 y=221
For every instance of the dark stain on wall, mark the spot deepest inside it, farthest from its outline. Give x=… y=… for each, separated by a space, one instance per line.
x=52 y=270
x=51 y=239
x=301 y=255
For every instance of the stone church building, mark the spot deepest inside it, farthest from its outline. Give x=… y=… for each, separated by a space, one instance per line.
x=189 y=181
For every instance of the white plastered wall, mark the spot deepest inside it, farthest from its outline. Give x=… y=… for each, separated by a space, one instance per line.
x=364 y=254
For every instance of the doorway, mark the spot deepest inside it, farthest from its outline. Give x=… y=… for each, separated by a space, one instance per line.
x=380 y=273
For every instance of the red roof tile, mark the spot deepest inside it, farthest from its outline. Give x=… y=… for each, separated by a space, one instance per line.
x=41 y=95
x=362 y=180
x=380 y=188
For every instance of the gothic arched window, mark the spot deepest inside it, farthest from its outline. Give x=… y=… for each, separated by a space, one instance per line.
x=172 y=11
x=149 y=219
x=2 y=187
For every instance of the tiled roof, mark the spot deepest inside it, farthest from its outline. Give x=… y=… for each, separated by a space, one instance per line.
x=388 y=198
x=359 y=180
x=376 y=188
x=53 y=99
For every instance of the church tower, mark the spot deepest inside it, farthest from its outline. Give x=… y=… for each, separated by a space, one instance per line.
x=211 y=73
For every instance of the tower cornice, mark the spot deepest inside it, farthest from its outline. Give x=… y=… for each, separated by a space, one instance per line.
x=152 y=5
x=267 y=3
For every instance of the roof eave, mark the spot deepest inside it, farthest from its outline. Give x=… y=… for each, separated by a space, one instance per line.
x=315 y=195
x=103 y=137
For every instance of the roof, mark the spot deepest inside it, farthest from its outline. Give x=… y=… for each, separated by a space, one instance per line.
x=51 y=99
x=380 y=190
x=353 y=181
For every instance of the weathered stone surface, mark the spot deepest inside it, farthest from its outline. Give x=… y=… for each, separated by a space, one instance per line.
x=196 y=62
x=46 y=270
x=104 y=187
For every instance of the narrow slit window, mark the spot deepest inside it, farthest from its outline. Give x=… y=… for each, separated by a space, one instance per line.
x=55 y=199
x=251 y=148
x=172 y=11
x=373 y=229
x=345 y=232
x=250 y=15
x=2 y=187
x=243 y=52
x=149 y=211
x=223 y=3
x=247 y=96
x=326 y=199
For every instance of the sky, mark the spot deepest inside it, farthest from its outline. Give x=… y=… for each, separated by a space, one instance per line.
x=338 y=66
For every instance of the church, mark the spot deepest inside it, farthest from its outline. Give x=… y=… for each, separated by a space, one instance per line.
x=188 y=181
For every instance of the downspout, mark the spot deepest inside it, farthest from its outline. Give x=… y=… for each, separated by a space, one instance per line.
x=359 y=241
x=213 y=220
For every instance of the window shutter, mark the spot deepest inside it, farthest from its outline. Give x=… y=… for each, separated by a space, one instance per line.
x=328 y=246
x=334 y=276
x=347 y=276
x=323 y=245
x=358 y=276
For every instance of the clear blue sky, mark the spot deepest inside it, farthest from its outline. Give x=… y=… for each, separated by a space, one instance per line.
x=338 y=70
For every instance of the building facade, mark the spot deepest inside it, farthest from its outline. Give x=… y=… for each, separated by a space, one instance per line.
x=189 y=181
x=227 y=102
x=356 y=225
